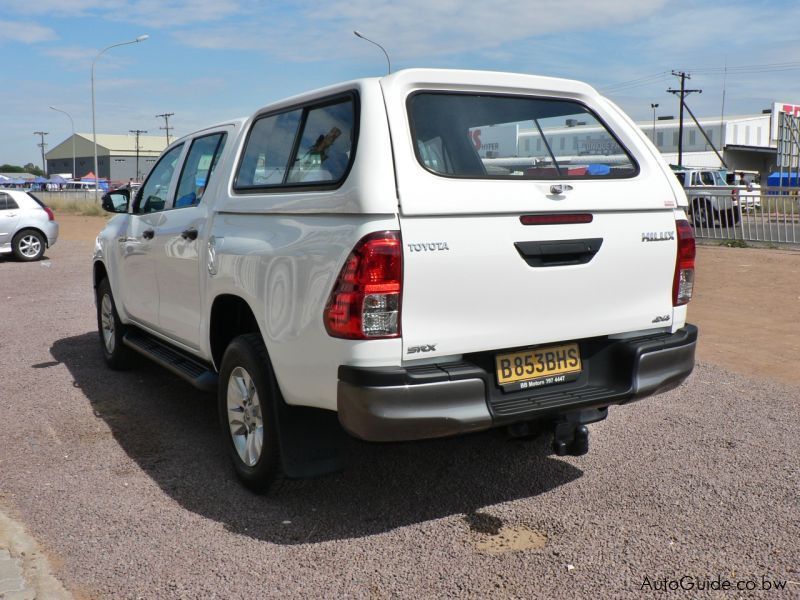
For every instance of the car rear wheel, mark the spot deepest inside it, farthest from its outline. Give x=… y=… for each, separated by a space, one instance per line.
x=247 y=394
x=28 y=245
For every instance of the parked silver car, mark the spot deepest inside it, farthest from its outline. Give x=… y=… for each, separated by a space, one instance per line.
x=27 y=226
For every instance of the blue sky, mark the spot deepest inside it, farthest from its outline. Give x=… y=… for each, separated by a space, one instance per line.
x=209 y=60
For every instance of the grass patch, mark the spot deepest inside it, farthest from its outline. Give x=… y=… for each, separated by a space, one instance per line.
x=76 y=207
x=734 y=244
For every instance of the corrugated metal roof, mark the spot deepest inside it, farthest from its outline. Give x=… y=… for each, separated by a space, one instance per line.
x=109 y=145
x=127 y=143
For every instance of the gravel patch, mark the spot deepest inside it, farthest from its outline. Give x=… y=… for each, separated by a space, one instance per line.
x=122 y=479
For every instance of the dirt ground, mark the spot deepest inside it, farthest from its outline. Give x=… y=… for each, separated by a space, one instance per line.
x=746 y=304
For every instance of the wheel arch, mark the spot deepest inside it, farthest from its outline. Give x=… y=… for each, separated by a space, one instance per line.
x=32 y=228
x=231 y=316
x=99 y=273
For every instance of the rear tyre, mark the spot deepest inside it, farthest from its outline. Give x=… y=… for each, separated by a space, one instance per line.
x=701 y=213
x=28 y=245
x=111 y=330
x=246 y=401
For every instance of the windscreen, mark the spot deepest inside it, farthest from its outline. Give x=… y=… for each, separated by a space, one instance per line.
x=507 y=137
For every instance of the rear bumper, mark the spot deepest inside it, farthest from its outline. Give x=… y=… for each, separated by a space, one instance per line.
x=50 y=229
x=395 y=404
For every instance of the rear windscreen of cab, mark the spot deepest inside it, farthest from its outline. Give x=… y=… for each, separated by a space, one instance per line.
x=485 y=136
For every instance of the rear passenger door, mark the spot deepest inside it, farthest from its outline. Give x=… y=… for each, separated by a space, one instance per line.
x=179 y=239
x=9 y=217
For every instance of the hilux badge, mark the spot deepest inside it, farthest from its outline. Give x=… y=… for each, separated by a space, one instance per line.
x=658 y=236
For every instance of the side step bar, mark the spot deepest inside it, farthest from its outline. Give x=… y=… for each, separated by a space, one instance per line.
x=181 y=364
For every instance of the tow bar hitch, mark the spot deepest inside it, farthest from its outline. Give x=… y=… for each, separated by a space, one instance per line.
x=570 y=434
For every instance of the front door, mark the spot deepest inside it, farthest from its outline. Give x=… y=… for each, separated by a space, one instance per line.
x=138 y=283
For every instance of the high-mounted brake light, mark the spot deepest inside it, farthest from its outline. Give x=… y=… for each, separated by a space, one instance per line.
x=557 y=219
x=683 y=283
x=365 y=300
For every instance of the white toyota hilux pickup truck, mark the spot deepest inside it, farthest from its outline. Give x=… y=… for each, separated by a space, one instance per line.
x=356 y=259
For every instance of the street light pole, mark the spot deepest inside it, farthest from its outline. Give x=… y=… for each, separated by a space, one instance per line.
x=654 y=107
x=141 y=38
x=386 y=54
x=72 y=123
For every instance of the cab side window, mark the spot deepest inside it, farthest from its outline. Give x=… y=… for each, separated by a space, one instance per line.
x=325 y=144
x=309 y=146
x=197 y=169
x=153 y=195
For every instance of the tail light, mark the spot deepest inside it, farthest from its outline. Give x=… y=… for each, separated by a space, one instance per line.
x=683 y=284
x=49 y=212
x=365 y=300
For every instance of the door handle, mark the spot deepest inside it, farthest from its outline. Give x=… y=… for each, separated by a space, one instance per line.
x=189 y=234
x=559 y=253
x=148 y=234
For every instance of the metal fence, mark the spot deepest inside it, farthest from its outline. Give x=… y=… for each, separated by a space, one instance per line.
x=770 y=215
x=68 y=197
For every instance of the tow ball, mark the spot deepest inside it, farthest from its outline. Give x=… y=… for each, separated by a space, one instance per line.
x=570 y=440
x=570 y=433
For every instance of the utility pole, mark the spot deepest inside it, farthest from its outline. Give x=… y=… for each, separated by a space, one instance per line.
x=166 y=127
x=654 y=107
x=683 y=92
x=42 y=145
x=137 y=133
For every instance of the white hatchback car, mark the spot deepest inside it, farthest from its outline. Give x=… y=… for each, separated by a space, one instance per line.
x=27 y=225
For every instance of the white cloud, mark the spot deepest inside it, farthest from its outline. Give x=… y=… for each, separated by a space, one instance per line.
x=413 y=29
x=154 y=13
x=25 y=32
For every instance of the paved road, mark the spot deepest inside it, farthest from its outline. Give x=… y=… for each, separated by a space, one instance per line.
x=122 y=480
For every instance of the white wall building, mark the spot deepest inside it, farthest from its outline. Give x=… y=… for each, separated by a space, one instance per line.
x=748 y=142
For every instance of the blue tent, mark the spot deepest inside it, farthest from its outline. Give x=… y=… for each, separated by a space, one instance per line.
x=782 y=180
x=57 y=179
x=40 y=179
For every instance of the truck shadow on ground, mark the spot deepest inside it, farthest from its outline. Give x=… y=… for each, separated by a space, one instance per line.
x=170 y=430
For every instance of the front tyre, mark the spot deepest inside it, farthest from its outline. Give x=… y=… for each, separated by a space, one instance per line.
x=111 y=329
x=28 y=245
x=246 y=398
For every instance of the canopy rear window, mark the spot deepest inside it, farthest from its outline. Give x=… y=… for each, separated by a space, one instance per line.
x=512 y=137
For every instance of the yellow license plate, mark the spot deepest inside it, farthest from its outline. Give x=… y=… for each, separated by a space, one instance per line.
x=542 y=363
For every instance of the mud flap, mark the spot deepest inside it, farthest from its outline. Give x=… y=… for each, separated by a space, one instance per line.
x=311 y=441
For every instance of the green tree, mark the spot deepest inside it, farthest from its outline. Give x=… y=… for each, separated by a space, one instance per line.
x=29 y=168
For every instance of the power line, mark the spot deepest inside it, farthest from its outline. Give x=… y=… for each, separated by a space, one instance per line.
x=166 y=127
x=637 y=82
x=723 y=72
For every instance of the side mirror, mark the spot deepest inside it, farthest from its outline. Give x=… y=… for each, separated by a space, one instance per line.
x=116 y=201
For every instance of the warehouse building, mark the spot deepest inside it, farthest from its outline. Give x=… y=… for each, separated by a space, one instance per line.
x=746 y=143
x=117 y=156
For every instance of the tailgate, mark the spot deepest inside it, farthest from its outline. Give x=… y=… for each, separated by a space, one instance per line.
x=482 y=283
